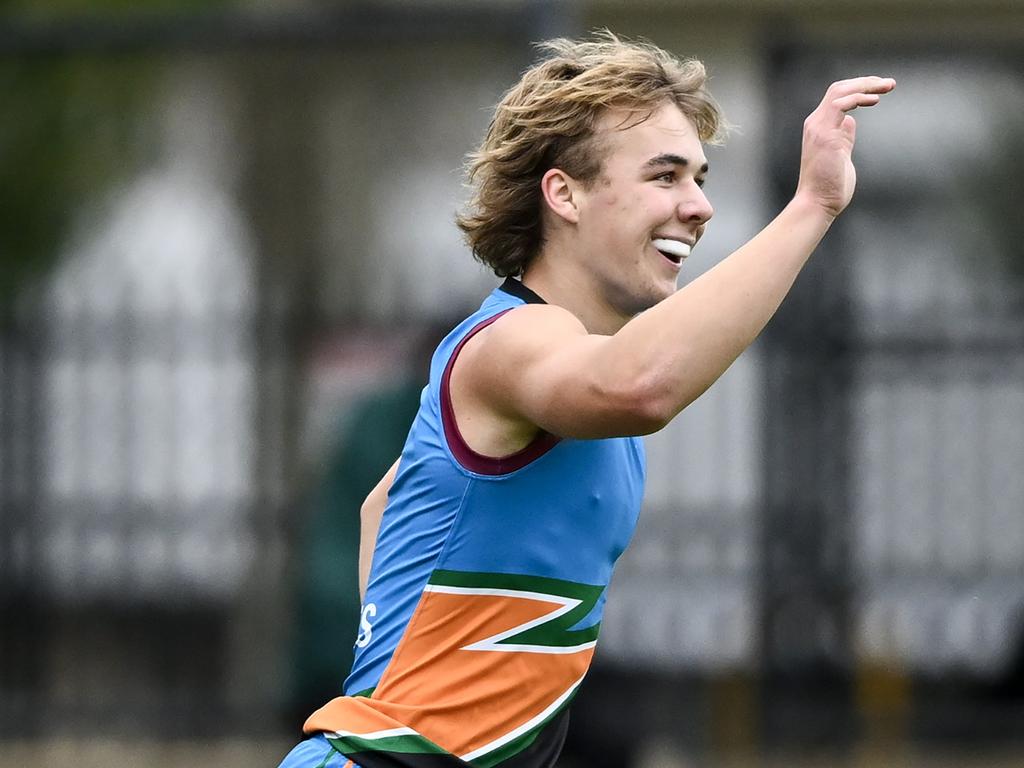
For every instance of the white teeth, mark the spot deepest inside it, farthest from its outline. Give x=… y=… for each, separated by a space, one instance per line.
x=677 y=248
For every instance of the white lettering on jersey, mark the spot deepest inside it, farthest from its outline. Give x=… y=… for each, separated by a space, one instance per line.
x=365 y=627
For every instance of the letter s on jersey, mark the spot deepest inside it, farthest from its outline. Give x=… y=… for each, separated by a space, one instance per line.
x=365 y=627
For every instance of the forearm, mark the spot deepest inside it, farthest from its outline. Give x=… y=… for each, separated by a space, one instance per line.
x=678 y=348
x=370 y=515
x=547 y=370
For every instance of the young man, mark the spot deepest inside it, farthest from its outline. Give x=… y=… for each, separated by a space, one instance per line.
x=493 y=537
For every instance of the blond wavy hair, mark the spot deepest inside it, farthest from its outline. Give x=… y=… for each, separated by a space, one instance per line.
x=549 y=119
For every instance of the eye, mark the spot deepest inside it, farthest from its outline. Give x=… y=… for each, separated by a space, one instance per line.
x=701 y=182
x=668 y=177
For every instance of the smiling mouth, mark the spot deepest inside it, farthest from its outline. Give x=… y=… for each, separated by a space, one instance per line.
x=673 y=250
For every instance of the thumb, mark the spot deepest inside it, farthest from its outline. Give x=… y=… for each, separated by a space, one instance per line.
x=849 y=128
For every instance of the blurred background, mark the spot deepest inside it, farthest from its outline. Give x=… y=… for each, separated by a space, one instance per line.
x=226 y=246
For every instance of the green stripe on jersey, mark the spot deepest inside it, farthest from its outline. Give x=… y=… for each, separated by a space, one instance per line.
x=555 y=633
x=410 y=744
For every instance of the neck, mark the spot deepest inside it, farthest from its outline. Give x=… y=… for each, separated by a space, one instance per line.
x=563 y=282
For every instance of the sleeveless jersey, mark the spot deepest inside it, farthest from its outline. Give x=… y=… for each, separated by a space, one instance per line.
x=486 y=590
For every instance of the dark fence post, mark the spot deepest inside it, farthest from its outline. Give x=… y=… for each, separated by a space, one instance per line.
x=805 y=595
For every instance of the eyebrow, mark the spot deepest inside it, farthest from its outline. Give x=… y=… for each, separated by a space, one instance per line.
x=669 y=159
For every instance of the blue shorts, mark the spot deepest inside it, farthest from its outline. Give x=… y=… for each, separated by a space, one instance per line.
x=316 y=752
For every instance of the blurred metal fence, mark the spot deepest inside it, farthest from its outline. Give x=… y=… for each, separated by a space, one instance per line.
x=833 y=535
x=152 y=390
x=895 y=512
x=131 y=522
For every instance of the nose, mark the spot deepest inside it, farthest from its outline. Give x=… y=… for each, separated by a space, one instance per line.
x=695 y=206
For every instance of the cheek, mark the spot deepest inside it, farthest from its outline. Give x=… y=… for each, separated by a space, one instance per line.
x=609 y=201
x=600 y=209
x=625 y=209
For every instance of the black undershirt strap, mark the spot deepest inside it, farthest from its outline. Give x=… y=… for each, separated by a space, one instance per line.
x=520 y=291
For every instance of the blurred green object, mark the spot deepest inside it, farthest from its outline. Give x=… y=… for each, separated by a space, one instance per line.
x=327 y=556
x=73 y=128
x=74 y=125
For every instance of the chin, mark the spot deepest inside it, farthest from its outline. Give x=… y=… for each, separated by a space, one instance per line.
x=663 y=291
x=641 y=303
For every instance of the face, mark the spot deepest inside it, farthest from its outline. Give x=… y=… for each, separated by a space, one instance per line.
x=639 y=218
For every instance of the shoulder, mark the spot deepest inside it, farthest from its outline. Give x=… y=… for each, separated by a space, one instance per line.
x=530 y=324
x=522 y=333
x=498 y=360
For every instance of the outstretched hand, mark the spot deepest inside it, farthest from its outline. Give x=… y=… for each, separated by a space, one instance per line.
x=827 y=174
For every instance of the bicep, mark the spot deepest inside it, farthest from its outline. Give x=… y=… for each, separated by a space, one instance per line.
x=370 y=516
x=546 y=369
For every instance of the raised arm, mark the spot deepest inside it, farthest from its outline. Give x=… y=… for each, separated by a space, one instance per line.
x=539 y=366
x=369 y=517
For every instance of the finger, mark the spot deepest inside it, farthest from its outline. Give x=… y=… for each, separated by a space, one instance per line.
x=870 y=84
x=846 y=95
x=854 y=100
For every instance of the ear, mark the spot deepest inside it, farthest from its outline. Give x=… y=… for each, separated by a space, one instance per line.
x=560 y=192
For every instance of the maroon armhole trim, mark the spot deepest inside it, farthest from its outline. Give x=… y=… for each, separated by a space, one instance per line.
x=466 y=456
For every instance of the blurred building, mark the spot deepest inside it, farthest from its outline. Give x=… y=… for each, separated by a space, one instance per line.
x=257 y=220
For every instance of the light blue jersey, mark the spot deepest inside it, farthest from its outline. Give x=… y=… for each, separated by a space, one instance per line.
x=487 y=587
